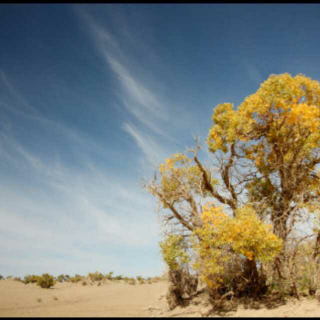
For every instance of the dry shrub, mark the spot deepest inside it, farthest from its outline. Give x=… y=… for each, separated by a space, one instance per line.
x=132 y=281
x=108 y=276
x=77 y=278
x=182 y=284
x=17 y=279
x=46 y=281
x=61 y=278
x=300 y=270
x=30 y=279
x=97 y=276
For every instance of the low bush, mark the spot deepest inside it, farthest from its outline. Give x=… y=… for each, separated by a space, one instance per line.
x=97 y=276
x=300 y=271
x=1 y=277
x=109 y=275
x=76 y=278
x=139 y=278
x=30 y=279
x=126 y=279
x=17 y=279
x=61 y=278
x=132 y=281
x=46 y=281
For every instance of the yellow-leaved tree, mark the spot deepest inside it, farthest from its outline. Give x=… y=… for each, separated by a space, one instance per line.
x=265 y=159
x=223 y=237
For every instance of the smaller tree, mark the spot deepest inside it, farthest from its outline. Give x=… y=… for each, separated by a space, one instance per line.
x=224 y=238
x=174 y=253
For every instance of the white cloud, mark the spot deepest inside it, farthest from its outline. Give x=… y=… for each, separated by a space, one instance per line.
x=152 y=150
x=138 y=99
x=22 y=101
x=253 y=72
x=58 y=211
x=136 y=90
x=61 y=212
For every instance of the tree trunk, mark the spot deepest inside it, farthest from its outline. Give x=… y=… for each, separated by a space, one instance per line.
x=280 y=230
x=256 y=284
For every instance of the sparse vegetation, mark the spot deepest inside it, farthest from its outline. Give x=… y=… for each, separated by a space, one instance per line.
x=30 y=279
x=77 y=278
x=46 y=281
x=126 y=279
x=39 y=299
x=140 y=279
x=109 y=275
x=97 y=276
x=61 y=278
x=1 y=277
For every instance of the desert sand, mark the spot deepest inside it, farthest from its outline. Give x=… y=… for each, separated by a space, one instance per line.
x=112 y=299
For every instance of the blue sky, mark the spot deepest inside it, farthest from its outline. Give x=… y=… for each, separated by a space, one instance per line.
x=92 y=96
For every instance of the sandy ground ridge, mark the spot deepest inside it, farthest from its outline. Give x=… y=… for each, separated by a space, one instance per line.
x=119 y=300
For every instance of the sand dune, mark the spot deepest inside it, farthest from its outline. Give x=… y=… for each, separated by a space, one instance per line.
x=117 y=300
x=111 y=299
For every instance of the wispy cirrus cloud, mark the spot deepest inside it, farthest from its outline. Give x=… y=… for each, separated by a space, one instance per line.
x=253 y=72
x=103 y=208
x=15 y=95
x=58 y=200
x=134 y=89
x=79 y=141
x=150 y=109
x=151 y=149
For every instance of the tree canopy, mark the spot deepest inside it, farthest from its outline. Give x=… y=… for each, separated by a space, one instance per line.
x=264 y=171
